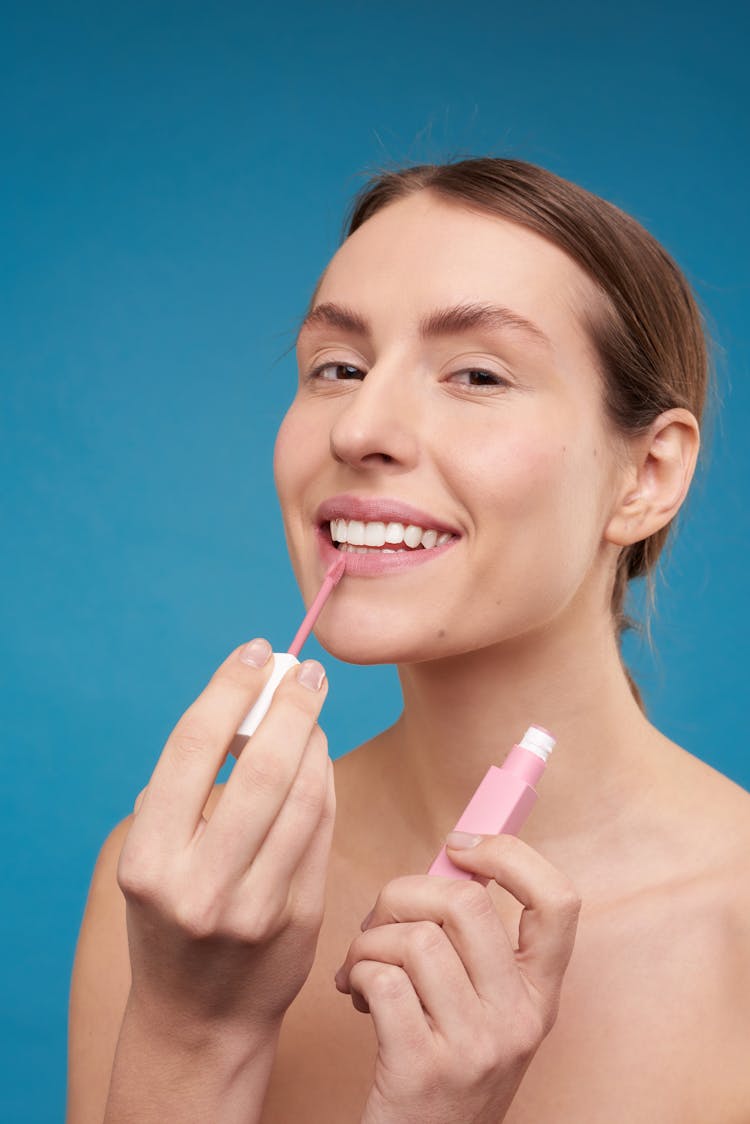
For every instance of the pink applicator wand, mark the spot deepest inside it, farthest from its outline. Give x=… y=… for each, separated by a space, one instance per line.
x=504 y=798
x=282 y=661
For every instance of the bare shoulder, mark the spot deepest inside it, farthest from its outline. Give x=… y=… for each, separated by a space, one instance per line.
x=715 y=813
x=712 y=901
x=722 y=819
x=665 y=965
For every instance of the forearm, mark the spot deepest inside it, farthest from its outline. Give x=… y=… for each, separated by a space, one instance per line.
x=159 y=1077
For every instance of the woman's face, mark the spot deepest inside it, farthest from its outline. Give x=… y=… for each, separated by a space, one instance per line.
x=489 y=431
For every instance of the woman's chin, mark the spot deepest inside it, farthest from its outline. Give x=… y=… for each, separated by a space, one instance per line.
x=378 y=648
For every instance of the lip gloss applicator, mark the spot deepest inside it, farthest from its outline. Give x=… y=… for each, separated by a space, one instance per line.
x=282 y=661
x=503 y=799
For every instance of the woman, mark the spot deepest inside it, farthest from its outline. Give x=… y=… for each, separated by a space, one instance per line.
x=496 y=355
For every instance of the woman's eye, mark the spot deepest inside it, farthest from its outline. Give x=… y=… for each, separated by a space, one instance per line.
x=488 y=378
x=317 y=372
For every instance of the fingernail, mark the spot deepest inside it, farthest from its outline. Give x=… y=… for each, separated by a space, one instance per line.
x=367 y=920
x=460 y=839
x=256 y=653
x=311 y=674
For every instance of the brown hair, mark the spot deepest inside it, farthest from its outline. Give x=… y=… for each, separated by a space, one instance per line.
x=648 y=333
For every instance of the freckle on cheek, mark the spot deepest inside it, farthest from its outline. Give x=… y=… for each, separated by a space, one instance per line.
x=441 y=633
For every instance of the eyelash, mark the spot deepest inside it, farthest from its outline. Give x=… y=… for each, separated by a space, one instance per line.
x=500 y=381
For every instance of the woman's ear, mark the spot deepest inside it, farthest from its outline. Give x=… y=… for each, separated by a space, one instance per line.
x=657 y=479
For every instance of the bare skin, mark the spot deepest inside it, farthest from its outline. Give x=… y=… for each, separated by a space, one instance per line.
x=655 y=999
x=508 y=628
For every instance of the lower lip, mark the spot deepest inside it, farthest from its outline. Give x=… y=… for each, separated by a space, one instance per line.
x=371 y=565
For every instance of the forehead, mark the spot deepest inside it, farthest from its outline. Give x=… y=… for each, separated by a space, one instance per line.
x=422 y=252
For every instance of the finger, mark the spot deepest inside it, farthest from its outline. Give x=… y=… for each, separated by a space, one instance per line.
x=431 y=962
x=550 y=900
x=262 y=780
x=196 y=749
x=468 y=917
x=309 y=887
x=274 y=893
x=397 y=1015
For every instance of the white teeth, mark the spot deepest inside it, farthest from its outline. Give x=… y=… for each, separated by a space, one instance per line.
x=374 y=534
x=355 y=533
x=359 y=534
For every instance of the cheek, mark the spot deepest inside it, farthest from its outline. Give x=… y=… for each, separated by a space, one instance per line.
x=533 y=500
x=515 y=476
x=288 y=453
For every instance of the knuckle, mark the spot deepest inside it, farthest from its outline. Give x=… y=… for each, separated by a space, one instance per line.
x=397 y=890
x=387 y=982
x=189 y=740
x=262 y=923
x=425 y=937
x=484 y=1056
x=263 y=772
x=137 y=877
x=307 y=919
x=566 y=899
x=529 y=1031
x=198 y=916
x=469 y=897
x=308 y=791
x=132 y=880
x=505 y=843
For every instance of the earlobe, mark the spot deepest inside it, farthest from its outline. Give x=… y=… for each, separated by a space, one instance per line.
x=664 y=461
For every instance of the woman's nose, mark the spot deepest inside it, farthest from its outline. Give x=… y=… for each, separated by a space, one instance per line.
x=379 y=422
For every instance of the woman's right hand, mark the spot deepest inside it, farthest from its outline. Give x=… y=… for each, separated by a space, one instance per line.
x=223 y=915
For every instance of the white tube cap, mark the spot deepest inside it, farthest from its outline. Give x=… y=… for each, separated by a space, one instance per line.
x=539 y=741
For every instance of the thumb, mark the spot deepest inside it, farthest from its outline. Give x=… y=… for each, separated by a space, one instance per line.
x=470 y=852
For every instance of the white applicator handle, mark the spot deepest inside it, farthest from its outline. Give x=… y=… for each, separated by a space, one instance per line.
x=282 y=661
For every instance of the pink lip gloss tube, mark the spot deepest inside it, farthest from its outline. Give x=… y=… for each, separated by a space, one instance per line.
x=504 y=798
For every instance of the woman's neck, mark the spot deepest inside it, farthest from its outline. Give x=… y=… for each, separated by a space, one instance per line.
x=463 y=714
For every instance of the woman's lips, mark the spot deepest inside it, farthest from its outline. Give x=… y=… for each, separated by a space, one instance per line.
x=373 y=564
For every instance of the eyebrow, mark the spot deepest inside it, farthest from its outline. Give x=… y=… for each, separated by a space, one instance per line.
x=441 y=322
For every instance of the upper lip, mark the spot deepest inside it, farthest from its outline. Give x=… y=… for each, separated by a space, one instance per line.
x=378 y=509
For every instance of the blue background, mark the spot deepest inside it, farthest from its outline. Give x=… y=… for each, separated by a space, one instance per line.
x=174 y=178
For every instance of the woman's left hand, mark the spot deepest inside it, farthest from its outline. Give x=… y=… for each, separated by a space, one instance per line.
x=458 y=1012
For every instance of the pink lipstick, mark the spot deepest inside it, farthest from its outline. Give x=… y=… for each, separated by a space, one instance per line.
x=503 y=799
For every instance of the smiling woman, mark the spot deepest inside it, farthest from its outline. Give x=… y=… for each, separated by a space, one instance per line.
x=502 y=381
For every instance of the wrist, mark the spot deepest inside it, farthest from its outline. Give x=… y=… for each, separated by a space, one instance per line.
x=168 y=1069
x=189 y=1036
